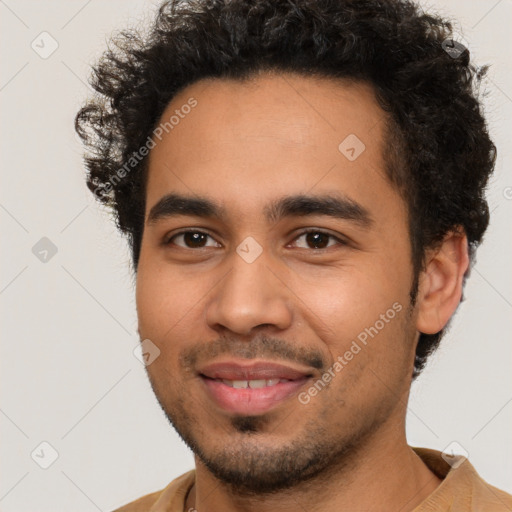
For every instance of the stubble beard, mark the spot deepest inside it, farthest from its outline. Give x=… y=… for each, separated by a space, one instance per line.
x=249 y=466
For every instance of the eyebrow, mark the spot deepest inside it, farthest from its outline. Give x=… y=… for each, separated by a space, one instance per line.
x=336 y=206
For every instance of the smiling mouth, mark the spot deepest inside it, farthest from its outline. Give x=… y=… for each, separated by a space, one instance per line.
x=240 y=387
x=253 y=384
x=251 y=397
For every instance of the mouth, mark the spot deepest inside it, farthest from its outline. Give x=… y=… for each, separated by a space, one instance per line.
x=251 y=389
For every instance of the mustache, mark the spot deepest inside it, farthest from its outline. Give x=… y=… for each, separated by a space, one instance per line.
x=263 y=346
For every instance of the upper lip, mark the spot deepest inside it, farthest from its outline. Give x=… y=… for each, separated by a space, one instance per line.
x=262 y=370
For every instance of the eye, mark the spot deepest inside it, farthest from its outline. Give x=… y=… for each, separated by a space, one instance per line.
x=194 y=239
x=191 y=239
x=318 y=239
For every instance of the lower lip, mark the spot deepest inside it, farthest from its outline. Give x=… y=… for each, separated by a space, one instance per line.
x=251 y=401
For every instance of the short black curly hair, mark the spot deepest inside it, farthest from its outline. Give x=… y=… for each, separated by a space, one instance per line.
x=438 y=151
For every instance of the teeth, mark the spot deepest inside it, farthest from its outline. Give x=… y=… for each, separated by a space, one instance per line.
x=253 y=384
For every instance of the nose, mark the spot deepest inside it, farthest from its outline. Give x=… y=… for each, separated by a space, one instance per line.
x=248 y=296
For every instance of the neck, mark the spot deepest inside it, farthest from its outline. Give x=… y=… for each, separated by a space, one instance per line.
x=380 y=476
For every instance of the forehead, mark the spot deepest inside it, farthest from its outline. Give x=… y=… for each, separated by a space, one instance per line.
x=243 y=142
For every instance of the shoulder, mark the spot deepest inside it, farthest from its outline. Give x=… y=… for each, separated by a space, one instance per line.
x=142 y=504
x=462 y=488
x=171 y=498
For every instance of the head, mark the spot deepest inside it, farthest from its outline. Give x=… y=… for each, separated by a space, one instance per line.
x=247 y=124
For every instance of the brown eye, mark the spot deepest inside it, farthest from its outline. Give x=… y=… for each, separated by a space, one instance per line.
x=315 y=239
x=191 y=240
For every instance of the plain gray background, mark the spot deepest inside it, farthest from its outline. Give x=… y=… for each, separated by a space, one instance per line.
x=69 y=375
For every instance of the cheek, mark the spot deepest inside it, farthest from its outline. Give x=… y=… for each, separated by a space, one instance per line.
x=348 y=301
x=159 y=310
x=150 y=306
x=163 y=297
x=170 y=310
x=360 y=315
x=158 y=302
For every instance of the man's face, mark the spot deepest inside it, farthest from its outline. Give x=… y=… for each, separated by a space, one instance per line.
x=250 y=286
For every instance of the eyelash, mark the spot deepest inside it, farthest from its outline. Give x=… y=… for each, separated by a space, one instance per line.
x=168 y=240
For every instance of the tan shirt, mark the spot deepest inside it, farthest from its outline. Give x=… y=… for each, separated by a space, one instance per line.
x=462 y=490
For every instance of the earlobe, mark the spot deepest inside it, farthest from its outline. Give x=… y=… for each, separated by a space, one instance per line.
x=440 y=287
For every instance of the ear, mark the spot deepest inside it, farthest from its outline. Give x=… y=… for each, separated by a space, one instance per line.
x=440 y=283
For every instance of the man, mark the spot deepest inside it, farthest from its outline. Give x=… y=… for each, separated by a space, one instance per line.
x=302 y=186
